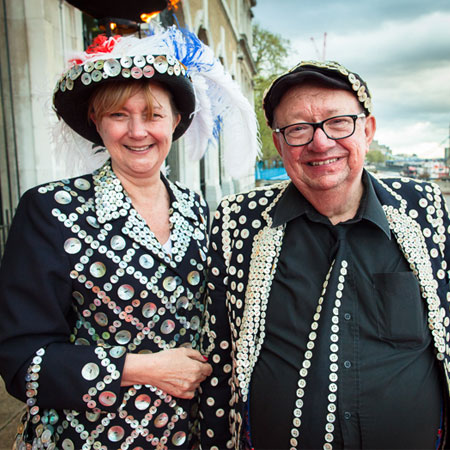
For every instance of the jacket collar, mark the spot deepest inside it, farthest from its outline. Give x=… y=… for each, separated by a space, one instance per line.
x=112 y=201
x=293 y=204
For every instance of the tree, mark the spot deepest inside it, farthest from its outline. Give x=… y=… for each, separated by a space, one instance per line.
x=375 y=157
x=269 y=53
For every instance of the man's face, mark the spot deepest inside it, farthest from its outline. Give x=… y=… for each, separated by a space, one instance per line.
x=324 y=164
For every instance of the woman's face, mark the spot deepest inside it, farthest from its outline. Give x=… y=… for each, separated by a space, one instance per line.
x=139 y=144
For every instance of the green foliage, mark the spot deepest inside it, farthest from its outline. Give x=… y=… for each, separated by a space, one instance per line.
x=269 y=53
x=375 y=157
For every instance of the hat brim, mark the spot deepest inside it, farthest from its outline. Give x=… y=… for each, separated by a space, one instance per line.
x=72 y=105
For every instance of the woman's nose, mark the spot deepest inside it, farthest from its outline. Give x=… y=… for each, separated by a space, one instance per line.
x=137 y=128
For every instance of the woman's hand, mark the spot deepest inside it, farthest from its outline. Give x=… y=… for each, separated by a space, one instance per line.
x=178 y=371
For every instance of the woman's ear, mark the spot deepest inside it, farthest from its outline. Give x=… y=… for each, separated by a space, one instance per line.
x=176 y=121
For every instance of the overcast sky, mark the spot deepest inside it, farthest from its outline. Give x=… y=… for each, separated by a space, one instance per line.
x=401 y=48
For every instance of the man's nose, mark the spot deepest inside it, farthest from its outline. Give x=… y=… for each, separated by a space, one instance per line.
x=321 y=142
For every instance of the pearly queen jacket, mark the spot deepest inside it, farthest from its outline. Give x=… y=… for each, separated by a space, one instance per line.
x=242 y=262
x=84 y=281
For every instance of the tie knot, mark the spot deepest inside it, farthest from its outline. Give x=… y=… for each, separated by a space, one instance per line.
x=340 y=231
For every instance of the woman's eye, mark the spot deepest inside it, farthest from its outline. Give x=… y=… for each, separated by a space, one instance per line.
x=117 y=114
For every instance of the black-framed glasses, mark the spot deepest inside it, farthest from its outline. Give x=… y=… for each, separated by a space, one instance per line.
x=336 y=127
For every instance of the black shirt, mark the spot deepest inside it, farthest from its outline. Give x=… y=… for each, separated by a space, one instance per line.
x=389 y=387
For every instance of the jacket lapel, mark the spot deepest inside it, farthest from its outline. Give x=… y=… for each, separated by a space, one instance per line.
x=266 y=248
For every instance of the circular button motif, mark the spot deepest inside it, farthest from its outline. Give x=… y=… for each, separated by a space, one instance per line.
x=99 y=64
x=96 y=76
x=72 y=246
x=117 y=243
x=88 y=66
x=126 y=62
x=195 y=323
x=122 y=337
x=149 y=310
x=46 y=436
x=161 y=64
x=167 y=326
x=107 y=398
x=101 y=319
x=146 y=261
x=136 y=73
x=116 y=434
x=139 y=61
x=67 y=444
x=112 y=67
x=90 y=371
x=86 y=78
x=63 y=197
x=161 y=420
x=91 y=416
x=117 y=352
x=169 y=284
x=81 y=183
x=125 y=292
x=92 y=221
x=179 y=438
x=97 y=269
x=75 y=72
x=148 y=71
x=142 y=402
x=193 y=278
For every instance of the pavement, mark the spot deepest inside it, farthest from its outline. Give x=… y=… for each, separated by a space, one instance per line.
x=11 y=410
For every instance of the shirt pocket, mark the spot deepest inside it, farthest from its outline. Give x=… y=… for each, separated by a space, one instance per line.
x=401 y=310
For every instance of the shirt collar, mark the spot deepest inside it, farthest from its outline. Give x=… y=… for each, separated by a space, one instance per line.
x=292 y=205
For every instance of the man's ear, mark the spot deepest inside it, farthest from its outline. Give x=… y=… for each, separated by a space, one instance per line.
x=276 y=141
x=370 y=127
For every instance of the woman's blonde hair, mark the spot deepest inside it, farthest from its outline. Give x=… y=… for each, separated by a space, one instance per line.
x=110 y=97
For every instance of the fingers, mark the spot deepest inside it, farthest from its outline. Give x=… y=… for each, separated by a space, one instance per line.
x=195 y=354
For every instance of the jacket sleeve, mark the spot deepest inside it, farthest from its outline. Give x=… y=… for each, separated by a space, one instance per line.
x=216 y=344
x=37 y=318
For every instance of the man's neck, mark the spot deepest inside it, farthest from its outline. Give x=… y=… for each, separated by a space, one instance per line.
x=338 y=205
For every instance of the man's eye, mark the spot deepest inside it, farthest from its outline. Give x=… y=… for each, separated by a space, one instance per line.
x=297 y=128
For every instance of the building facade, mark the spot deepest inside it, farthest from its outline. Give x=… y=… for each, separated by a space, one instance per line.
x=36 y=38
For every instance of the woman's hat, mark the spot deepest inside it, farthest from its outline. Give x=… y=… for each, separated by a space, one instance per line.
x=206 y=96
x=120 y=59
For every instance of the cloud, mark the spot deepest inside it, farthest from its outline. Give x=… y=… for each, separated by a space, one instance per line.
x=401 y=48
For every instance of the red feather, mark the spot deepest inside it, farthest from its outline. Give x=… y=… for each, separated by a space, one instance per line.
x=102 y=44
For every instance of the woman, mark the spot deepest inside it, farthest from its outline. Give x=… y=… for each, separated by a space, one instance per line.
x=102 y=281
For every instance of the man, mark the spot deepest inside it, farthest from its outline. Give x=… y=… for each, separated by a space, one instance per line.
x=327 y=311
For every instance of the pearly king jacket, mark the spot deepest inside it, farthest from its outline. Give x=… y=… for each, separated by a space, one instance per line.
x=84 y=281
x=242 y=262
